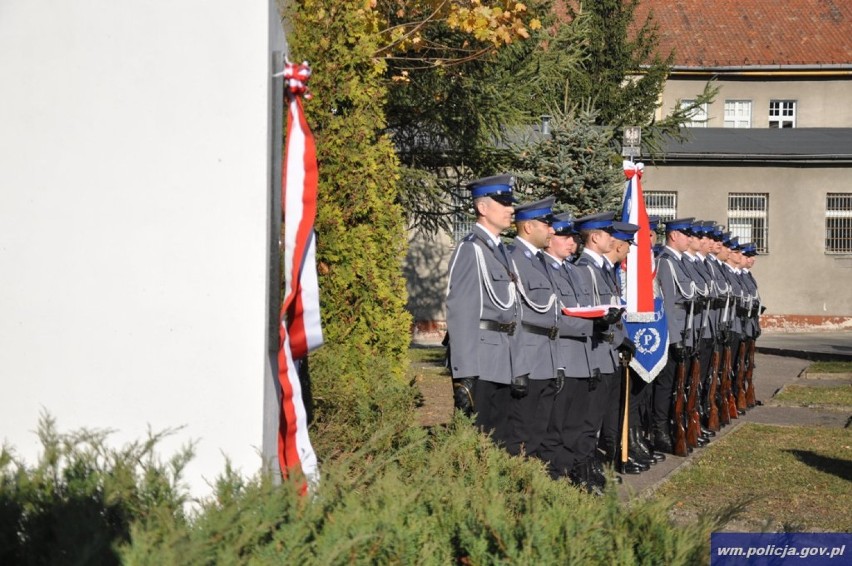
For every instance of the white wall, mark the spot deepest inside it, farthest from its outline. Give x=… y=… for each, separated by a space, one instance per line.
x=134 y=189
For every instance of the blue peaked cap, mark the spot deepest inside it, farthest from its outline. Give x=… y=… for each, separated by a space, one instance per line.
x=599 y=221
x=624 y=231
x=563 y=224
x=538 y=210
x=653 y=223
x=492 y=186
x=681 y=225
x=698 y=228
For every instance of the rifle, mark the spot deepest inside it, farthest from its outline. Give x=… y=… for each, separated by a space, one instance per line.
x=725 y=384
x=741 y=398
x=679 y=436
x=693 y=425
x=750 y=396
x=713 y=407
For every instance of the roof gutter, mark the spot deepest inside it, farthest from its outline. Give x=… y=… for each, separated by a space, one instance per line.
x=757 y=158
x=832 y=70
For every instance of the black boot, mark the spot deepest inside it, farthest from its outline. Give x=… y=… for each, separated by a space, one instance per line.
x=649 y=445
x=663 y=441
x=636 y=449
x=581 y=476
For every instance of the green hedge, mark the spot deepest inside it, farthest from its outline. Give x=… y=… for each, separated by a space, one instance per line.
x=414 y=496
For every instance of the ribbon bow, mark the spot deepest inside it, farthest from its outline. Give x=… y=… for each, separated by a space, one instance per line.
x=296 y=78
x=633 y=169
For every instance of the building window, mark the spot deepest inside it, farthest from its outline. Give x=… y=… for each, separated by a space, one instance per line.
x=782 y=114
x=738 y=113
x=748 y=219
x=838 y=223
x=698 y=116
x=662 y=204
x=463 y=217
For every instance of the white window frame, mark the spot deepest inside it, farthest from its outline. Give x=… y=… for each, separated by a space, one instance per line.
x=782 y=113
x=738 y=113
x=838 y=217
x=698 y=119
x=748 y=219
x=662 y=204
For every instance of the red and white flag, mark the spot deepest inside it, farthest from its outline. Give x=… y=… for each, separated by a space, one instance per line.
x=645 y=319
x=300 y=330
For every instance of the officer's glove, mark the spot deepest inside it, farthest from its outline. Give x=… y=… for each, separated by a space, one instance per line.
x=612 y=315
x=463 y=395
x=520 y=386
x=627 y=349
x=757 y=333
x=599 y=326
x=678 y=352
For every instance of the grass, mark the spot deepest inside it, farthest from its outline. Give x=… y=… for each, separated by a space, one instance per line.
x=830 y=367
x=835 y=397
x=786 y=478
x=427 y=355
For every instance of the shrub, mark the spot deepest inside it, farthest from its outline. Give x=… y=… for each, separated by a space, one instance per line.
x=79 y=500
x=439 y=497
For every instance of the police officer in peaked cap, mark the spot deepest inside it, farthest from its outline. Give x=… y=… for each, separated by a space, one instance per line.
x=484 y=312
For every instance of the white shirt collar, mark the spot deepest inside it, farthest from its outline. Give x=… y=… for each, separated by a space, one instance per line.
x=495 y=239
x=596 y=257
x=676 y=253
x=529 y=246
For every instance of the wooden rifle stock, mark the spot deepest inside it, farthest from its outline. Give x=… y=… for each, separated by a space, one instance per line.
x=725 y=385
x=741 y=398
x=712 y=393
x=679 y=433
x=751 y=401
x=693 y=426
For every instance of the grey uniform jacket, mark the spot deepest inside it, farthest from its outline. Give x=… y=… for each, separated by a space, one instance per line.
x=697 y=272
x=480 y=288
x=750 y=288
x=676 y=286
x=574 y=346
x=604 y=354
x=538 y=349
x=738 y=296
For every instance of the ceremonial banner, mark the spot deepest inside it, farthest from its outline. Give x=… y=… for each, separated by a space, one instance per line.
x=300 y=330
x=645 y=320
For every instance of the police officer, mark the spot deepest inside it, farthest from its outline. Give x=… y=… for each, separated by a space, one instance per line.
x=562 y=446
x=596 y=233
x=532 y=399
x=623 y=234
x=678 y=291
x=702 y=349
x=483 y=312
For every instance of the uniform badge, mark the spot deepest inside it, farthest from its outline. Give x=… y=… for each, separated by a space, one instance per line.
x=527 y=254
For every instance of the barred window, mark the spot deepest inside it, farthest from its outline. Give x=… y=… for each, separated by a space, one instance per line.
x=838 y=223
x=748 y=215
x=782 y=113
x=738 y=113
x=463 y=217
x=662 y=204
x=698 y=116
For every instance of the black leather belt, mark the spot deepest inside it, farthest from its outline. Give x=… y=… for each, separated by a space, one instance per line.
x=717 y=303
x=507 y=327
x=552 y=332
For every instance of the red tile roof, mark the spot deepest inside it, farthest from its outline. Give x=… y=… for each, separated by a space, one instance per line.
x=738 y=33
